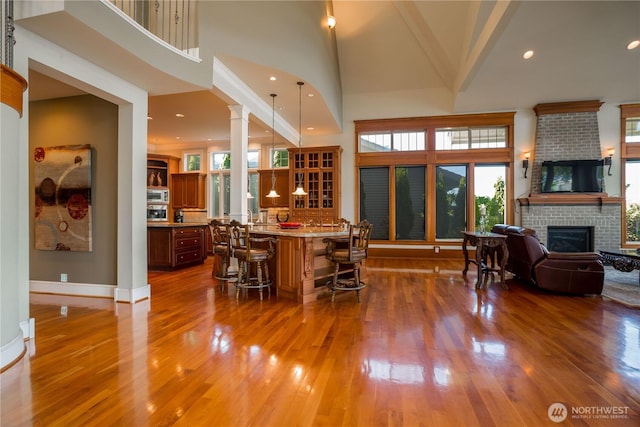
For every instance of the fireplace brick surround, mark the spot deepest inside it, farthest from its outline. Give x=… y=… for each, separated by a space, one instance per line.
x=569 y=131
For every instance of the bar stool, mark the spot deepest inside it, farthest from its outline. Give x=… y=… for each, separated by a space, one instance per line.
x=351 y=251
x=222 y=253
x=253 y=268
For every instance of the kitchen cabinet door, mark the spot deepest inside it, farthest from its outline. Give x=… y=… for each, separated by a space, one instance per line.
x=188 y=190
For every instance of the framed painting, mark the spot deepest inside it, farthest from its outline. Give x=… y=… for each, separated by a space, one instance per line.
x=62 y=179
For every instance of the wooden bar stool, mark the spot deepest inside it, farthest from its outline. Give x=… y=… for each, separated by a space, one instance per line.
x=253 y=257
x=222 y=253
x=351 y=252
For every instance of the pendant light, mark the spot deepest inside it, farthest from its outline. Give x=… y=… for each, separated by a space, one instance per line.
x=299 y=190
x=273 y=193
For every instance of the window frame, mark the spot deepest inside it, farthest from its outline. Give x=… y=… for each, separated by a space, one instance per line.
x=185 y=161
x=629 y=151
x=253 y=183
x=430 y=157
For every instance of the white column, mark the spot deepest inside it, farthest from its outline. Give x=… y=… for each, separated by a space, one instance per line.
x=239 y=173
x=12 y=220
x=132 y=223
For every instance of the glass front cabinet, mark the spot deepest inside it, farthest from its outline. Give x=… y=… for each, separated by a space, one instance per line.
x=317 y=169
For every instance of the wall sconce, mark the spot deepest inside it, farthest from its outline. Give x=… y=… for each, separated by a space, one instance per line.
x=525 y=163
x=608 y=160
x=331 y=21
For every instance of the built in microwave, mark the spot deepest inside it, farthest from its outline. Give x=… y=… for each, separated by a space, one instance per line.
x=158 y=196
x=157 y=212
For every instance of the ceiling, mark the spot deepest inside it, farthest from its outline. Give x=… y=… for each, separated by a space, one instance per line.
x=469 y=52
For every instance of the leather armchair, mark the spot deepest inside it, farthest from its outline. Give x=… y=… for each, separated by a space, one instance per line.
x=565 y=272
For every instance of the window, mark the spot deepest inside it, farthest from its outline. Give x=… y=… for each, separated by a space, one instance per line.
x=489 y=190
x=374 y=200
x=220 y=182
x=630 y=157
x=279 y=158
x=471 y=138
x=192 y=162
x=410 y=203
x=427 y=185
x=451 y=201
x=391 y=141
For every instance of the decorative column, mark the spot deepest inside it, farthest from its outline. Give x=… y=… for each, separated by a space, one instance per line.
x=12 y=346
x=239 y=170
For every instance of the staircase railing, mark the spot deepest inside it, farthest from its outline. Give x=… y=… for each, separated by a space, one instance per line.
x=173 y=21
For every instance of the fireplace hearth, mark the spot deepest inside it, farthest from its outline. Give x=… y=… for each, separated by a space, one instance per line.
x=570 y=238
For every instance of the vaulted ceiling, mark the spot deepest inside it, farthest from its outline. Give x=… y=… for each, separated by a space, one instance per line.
x=469 y=53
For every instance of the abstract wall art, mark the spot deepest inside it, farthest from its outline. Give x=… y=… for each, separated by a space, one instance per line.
x=62 y=179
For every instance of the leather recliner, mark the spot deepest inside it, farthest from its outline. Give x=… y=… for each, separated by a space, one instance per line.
x=565 y=272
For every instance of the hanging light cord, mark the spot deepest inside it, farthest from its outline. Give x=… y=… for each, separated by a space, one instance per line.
x=273 y=140
x=300 y=190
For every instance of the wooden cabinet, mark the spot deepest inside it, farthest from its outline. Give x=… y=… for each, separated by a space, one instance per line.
x=172 y=247
x=188 y=190
x=319 y=170
x=288 y=266
x=282 y=187
x=159 y=169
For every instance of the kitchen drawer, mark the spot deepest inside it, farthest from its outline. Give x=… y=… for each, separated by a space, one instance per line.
x=188 y=232
x=188 y=257
x=183 y=243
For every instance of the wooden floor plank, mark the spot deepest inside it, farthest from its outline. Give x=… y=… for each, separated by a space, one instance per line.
x=423 y=347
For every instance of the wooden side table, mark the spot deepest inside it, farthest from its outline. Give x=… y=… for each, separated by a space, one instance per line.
x=486 y=245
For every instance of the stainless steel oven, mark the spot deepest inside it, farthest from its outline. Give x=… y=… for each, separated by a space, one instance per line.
x=158 y=196
x=157 y=212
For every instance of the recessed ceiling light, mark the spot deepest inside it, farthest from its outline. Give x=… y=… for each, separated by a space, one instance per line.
x=311 y=128
x=528 y=54
x=633 y=44
x=273 y=78
x=179 y=115
x=177 y=137
x=149 y=118
x=310 y=95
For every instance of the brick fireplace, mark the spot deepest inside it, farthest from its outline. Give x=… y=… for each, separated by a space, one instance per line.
x=569 y=131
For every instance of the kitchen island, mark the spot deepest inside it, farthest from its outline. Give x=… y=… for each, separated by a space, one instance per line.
x=299 y=269
x=173 y=245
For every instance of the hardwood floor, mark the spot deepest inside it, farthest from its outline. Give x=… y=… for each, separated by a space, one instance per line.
x=423 y=348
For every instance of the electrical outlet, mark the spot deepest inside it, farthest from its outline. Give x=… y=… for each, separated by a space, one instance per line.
x=64 y=310
x=436 y=249
x=64 y=277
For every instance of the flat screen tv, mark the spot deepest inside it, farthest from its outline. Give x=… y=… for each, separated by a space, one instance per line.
x=578 y=176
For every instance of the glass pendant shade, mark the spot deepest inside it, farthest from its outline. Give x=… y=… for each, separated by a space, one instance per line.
x=299 y=190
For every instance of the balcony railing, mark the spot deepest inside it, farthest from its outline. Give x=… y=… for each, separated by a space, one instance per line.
x=6 y=34
x=173 y=21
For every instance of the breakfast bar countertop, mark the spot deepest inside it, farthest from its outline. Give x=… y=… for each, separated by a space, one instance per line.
x=303 y=231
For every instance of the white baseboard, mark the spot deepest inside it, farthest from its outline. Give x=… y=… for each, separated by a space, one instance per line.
x=75 y=289
x=12 y=351
x=132 y=295
x=28 y=328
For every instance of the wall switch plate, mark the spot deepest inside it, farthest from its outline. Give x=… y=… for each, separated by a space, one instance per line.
x=64 y=310
x=64 y=277
x=436 y=249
